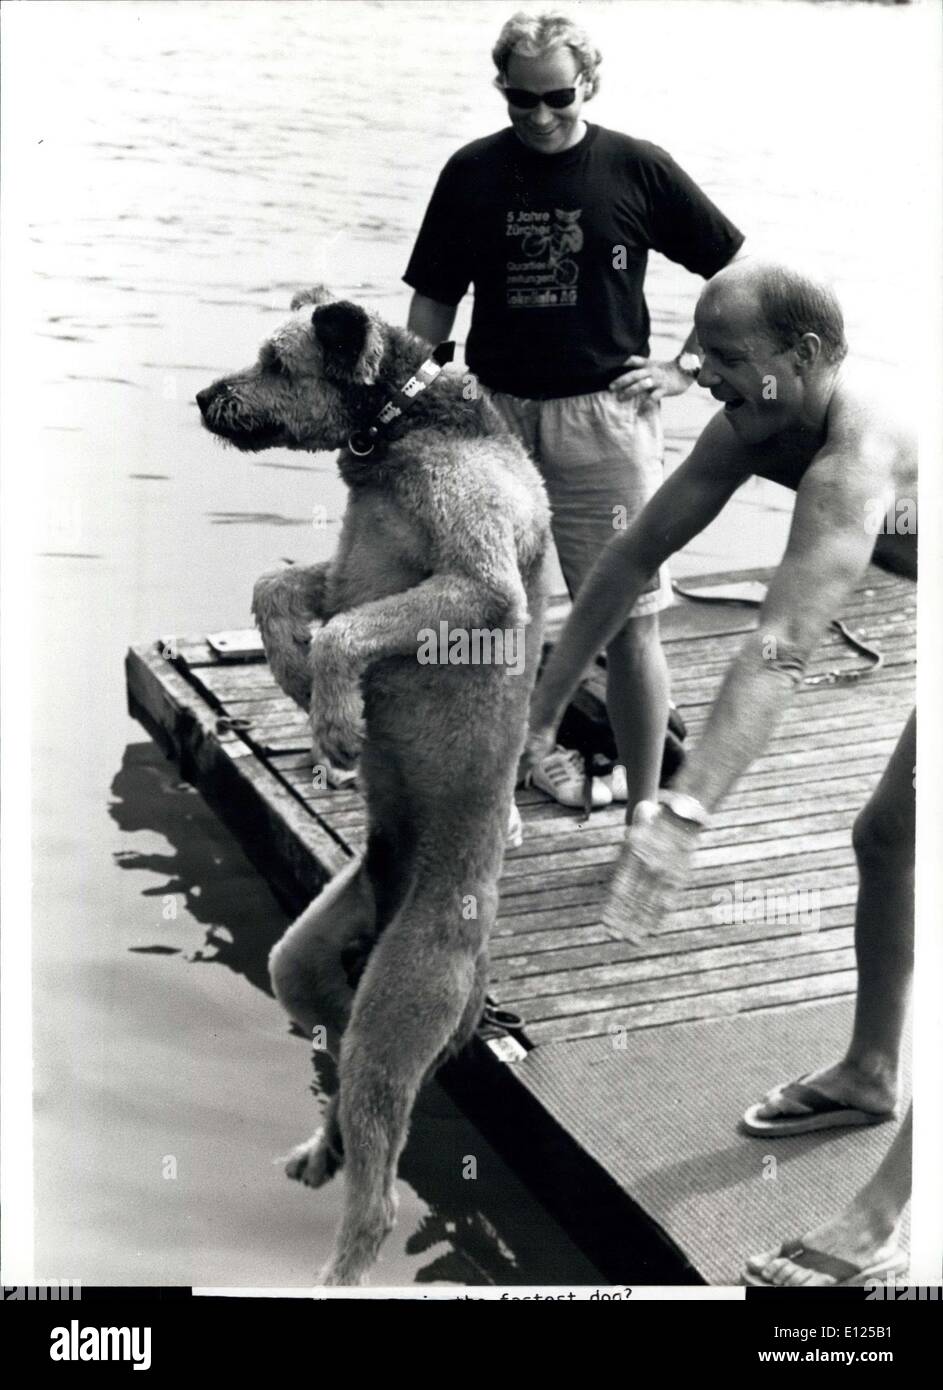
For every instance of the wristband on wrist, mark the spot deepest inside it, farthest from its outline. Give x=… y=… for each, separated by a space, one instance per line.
x=689 y=363
x=686 y=808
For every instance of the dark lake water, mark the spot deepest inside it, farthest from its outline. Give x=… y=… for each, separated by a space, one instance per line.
x=187 y=167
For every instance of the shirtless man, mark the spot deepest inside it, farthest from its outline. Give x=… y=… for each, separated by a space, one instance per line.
x=774 y=353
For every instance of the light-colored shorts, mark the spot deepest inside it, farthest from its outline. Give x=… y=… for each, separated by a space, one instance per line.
x=601 y=461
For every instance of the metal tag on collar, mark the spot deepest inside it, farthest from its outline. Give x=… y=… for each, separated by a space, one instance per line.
x=361 y=443
x=426 y=374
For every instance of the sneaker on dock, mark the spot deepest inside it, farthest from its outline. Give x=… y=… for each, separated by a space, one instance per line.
x=617 y=782
x=515 y=831
x=560 y=774
x=337 y=778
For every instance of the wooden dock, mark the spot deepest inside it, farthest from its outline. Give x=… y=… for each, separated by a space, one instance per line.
x=618 y=1098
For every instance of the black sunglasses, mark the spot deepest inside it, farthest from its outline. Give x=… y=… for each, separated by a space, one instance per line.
x=527 y=101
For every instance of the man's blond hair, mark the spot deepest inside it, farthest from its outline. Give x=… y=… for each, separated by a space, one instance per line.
x=533 y=35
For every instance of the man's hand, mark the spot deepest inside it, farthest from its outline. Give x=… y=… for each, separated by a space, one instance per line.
x=653 y=865
x=651 y=379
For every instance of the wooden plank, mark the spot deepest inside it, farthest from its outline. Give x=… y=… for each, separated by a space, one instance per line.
x=704 y=678
x=528 y=953
x=538 y=1008
x=571 y=980
x=875 y=578
x=252 y=681
x=890 y=712
x=599 y=869
x=242 y=644
x=723 y=1004
x=537 y=932
x=706 y=620
x=690 y=684
x=562 y=833
x=547 y=904
x=824 y=772
x=873 y=624
x=276 y=704
x=608 y=828
x=603 y=846
x=289 y=844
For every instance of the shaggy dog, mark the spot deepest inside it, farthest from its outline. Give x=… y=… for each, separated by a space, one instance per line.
x=445 y=533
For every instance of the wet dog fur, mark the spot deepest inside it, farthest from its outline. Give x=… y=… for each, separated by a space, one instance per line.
x=446 y=522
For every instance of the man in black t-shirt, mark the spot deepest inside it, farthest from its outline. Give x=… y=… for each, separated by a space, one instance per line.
x=552 y=220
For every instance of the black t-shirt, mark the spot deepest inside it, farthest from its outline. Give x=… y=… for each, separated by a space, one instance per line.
x=557 y=247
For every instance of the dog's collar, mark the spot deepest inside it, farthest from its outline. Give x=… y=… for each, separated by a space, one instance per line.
x=400 y=401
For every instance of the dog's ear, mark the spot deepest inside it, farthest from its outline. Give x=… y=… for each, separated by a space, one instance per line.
x=317 y=294
x=351 y=341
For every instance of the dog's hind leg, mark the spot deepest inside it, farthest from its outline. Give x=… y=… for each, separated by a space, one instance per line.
x=415 y=995
x=311 y=984
x=317 y=1160
x=308 y=977
x=473 y=1008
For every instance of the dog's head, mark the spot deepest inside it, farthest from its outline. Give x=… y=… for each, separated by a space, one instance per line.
x=311 y=383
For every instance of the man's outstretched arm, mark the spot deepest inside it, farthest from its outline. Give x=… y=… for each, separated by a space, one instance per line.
x=683 y=505
x=829 y=548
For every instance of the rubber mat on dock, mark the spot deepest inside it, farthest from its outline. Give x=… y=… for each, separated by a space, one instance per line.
x=658 y=1108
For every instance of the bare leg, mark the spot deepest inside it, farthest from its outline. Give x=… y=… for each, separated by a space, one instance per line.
x=867 y=1076
x=637 y=702
x=865 y=1234
x=884 y=920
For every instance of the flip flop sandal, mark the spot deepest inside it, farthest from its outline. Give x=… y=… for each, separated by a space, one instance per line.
x=844 y=1273
x=818 y=1112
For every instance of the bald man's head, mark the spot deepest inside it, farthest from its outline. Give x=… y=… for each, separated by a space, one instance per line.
x=771 y=341
x=780 y=301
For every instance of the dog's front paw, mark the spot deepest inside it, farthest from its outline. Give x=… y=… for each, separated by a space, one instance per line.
x=338 y=733
x=337 y=725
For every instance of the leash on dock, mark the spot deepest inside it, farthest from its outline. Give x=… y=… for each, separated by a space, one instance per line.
x=495 y=1021
x=499 y=1029
x=755 y=600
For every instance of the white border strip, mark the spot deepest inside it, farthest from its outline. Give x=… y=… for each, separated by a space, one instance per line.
x=927 y=1200
x=17 y=513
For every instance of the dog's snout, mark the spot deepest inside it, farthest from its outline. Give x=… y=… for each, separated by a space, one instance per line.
x=205 y=398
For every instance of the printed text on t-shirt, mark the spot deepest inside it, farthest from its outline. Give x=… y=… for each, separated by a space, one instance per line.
x=542 y=271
